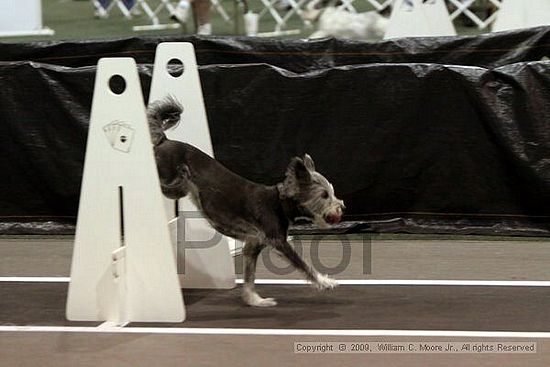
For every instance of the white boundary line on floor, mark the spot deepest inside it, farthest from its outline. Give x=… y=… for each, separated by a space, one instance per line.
x=35 y=279
x=275 y=332
x=435 y=282
x=297 y=332
x=405 y=282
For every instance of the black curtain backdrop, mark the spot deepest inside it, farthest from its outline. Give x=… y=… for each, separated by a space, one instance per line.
x=425 y=135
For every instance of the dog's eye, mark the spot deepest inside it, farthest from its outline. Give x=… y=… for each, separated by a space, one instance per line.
x=325 y=194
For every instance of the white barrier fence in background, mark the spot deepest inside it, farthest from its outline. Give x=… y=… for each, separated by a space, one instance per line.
x=155 y=11
x=152 y=11
x=498 y=14
x=484 y=14
x=481 y=17
x=466 y=8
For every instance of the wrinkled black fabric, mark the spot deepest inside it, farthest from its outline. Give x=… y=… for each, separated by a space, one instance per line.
x=444 y=143
x=487 y=50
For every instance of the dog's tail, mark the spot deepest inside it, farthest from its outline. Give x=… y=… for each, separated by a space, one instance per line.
x=163 y=115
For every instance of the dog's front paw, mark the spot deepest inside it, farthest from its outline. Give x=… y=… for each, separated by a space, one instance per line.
x=264 y=302
x=324 y=282
x=254 y=300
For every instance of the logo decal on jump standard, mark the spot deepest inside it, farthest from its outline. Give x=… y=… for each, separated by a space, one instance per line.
x=120 y=135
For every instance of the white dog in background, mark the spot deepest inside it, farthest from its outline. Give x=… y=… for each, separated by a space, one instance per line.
x=337 y=22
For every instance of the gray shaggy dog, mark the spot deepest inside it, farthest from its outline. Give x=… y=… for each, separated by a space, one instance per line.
x=256 y=214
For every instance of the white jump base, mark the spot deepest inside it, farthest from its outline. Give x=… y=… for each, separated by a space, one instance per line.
x=38 y=32
x=155 y=27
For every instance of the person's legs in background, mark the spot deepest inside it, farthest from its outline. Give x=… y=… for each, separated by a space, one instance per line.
x=204 y=18
x=202 y=12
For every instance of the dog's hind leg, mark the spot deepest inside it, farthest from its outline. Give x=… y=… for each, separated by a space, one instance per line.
x=318 y=280
x=251 y=252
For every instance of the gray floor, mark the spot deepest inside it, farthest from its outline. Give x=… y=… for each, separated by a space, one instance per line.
x=349 y=307
x=515 y=259
x=147 y=350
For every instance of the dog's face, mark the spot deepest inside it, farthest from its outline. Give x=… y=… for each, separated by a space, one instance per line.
x=313 y=192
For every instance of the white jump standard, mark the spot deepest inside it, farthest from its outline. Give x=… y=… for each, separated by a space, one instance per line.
x=208 y=265
x=123 y=266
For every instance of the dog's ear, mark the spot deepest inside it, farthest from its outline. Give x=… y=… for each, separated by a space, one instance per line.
x=296 y=175
x=298 y=169
x=308 y=162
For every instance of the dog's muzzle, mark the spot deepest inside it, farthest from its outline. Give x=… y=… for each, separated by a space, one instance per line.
x=334 y=217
